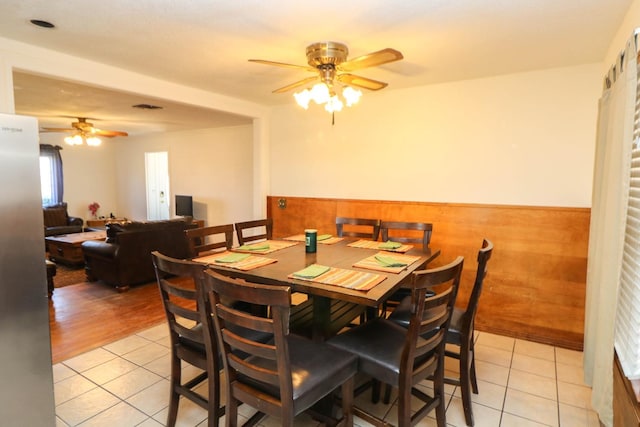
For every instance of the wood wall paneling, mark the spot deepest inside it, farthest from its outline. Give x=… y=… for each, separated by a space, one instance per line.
x=536 y=284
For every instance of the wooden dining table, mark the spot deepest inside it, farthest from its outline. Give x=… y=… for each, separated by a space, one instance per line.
x=327 y=321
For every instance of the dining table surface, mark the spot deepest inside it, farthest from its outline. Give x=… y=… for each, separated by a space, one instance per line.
x=342 y=255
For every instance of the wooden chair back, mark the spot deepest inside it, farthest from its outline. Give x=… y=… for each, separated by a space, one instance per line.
x=180 y=283
x=484 y=255
x=358 y=227
x=243 y=228
x=282 y=376
x=205 y=239
x=407 y=232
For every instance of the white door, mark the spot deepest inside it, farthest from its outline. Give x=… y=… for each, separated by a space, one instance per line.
x=157 y=172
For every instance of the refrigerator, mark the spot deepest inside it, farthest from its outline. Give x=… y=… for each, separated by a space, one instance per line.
x=26 y=378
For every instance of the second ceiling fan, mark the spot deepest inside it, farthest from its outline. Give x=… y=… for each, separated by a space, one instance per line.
x=83 y=131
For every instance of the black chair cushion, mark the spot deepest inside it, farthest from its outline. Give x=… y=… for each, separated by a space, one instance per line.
x=402 y=314
x=316 y=370
x=379 y=344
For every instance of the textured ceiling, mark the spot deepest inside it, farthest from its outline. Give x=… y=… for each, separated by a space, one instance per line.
x=206 y=44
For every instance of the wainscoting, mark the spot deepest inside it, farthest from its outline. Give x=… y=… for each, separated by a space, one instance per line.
x=535 y=288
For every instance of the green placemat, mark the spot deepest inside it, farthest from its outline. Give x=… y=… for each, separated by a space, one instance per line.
x=232 y=258
x=387 y=261
x=311 y=272
x=254 y=247
x=389 y=245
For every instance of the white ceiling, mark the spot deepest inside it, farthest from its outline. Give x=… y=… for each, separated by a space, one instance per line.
x=206 y=43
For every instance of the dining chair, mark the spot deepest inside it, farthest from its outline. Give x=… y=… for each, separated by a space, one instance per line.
x=403 y=357
x=407 y=232
x=280 y=378
x=404 y=232
x=179 y=281
x=203 y=239
x=358 y=227
x=460 y=334
x=243 y=230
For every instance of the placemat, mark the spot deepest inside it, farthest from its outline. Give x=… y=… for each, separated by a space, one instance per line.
x=372 y=263
x=370 y=244
x=328 y=241
x=344 y=278
x=248 y=263
x=273 y=245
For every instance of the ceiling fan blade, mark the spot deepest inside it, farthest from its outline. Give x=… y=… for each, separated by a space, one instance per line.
x=359 y=81
x=371 y=60
x=57 y=130
x=282 y=64
x=306 y=81
x=108 y=133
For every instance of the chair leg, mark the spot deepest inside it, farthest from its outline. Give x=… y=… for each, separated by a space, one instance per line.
x=404 y=405
x=375 y=391
x=387 y=394
x=472 y=373
x=347 y=402
x=214 y=401
x=465 y=383
x=174 y=397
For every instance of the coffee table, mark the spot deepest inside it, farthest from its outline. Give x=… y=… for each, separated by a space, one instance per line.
x=67 y=248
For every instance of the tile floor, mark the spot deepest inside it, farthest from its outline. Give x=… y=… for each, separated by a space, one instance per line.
x=521 y=384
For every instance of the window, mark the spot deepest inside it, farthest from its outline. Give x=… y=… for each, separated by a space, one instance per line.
x=51 y=180
x=627 y=333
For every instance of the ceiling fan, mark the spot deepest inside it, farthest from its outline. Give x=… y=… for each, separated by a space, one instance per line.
x=83 y=131
x=328 y=61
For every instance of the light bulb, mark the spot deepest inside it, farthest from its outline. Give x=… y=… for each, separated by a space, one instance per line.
x=320 y=93
x=303 y=98
x=351 y=95
x=333 y=104
x=93 y=141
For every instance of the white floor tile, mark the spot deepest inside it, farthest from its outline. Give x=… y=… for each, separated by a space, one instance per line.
x=132 y=383
x=533 y=384
x=534 y=349
x=126 y=345
x=492 y=373
x=493 y=355
x=109 y=370
x=575 y=395
x=89 y=360
x=516 y=380
x=534 y=365
x=152 y=399
x=146 y=354
x=62 y=372
x=569 y=357
x=71 y=387
x=570 y=374
x=497 y=341
x=122 y=415
x=85 y=406
x=531 y=407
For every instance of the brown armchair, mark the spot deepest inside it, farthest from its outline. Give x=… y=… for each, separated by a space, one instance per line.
x=57 y=221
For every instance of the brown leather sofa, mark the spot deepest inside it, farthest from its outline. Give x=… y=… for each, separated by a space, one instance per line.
x=124 y=258
x=57 y=221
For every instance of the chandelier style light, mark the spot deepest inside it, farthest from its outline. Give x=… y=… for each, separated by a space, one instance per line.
x=320 y=93
x=81 y=138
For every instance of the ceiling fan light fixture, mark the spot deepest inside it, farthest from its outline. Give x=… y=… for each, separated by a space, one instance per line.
x=73 y=140
x=93 y=141
x=303 y=98
x=351 y=95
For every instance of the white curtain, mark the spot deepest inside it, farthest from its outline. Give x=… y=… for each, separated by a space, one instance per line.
x=610 y=189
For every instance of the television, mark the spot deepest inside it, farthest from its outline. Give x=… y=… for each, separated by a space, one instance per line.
x=184 y=205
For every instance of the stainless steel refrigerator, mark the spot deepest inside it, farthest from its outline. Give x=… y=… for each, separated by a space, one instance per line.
x=26 y=379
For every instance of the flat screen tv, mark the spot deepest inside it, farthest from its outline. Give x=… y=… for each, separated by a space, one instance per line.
x=184 y=205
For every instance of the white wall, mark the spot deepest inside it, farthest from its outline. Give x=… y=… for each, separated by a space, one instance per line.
x=522 y=139
x=213 y=165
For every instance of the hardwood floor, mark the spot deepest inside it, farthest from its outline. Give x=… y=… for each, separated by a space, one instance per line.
x=88 y=315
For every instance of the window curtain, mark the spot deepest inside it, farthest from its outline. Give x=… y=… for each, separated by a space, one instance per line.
x=614 y=139
x=55 y=160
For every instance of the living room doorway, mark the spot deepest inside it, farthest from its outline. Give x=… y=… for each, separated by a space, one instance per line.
x=157 y=182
